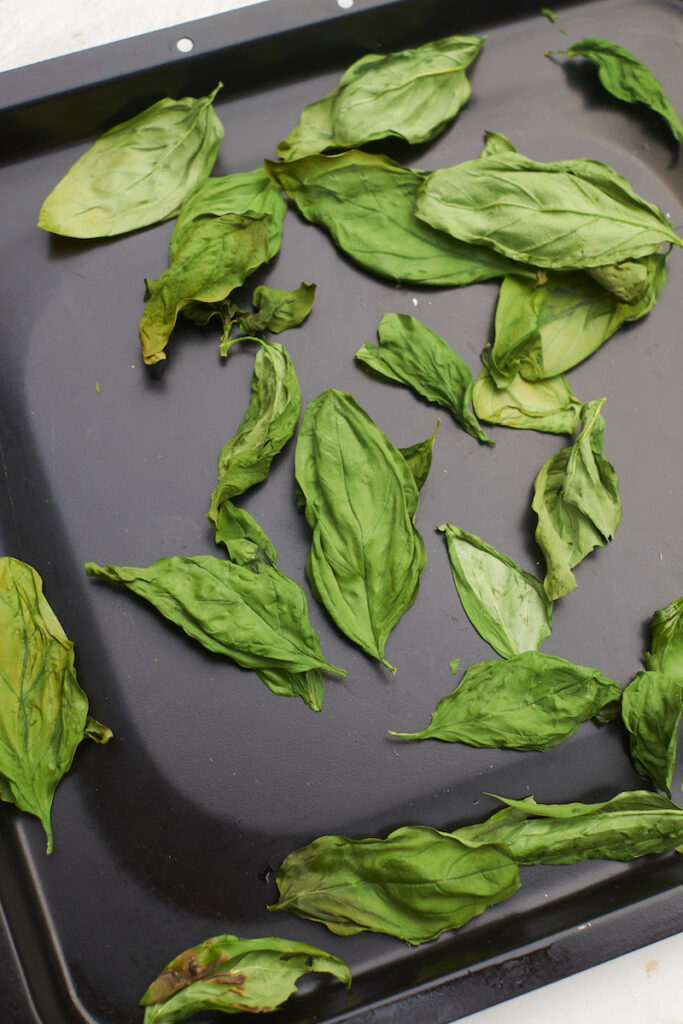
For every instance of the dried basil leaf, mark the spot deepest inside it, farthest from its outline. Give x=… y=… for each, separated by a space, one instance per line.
x=277 y=310
x=667 y=640
x=546 y=405
x=419 y=458
x=227 y=974
x=506 y=605
x=651 y=710
x=415 y=884
x=576 y=499
x=138 y=172
x=532 y=701
x=43 y=710
x=410 y=95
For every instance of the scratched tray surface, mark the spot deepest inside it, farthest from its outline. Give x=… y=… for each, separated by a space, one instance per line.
x=174 y=831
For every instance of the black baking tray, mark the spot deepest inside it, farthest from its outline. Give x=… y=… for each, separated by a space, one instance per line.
x=174 y=831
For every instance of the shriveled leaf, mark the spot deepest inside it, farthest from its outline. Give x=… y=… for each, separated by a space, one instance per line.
x=277 y=310
x=532 y=701
x=651 y=711
x=138 y=172
x=360 y=501
x=245 y=541
x=415 y=884
x=43 y=710
x=576 y=499
x=367 y=203
x=410 y=95
x=419 y=458
x=666 y=654
x=629 y=281
x=545 y=405
x=410 y=353
x=506 y=605
x=227 y=974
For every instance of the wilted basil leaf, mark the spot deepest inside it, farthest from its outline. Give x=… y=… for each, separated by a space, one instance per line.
x=532 y=701
x=367 y=203
x=419 y=458
x=667 y=640
x=563 y=215
x=138 y=172
x=44 y=712
x=227 y=974
x=410 y=95
x=625 y=77
x=652 y=706
x=576 y=499
x=505 y=604
x=415 y=884
x=546 y=405
x=360 y=502
x=409 y=353
x=276 y=310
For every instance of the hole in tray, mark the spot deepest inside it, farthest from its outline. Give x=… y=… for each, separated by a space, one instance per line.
x=185 y=44
x=345 y=4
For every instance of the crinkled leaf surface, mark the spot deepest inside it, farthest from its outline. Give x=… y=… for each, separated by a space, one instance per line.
x=277 y=310
x=410 y=95
x=138 y=172
x=576 y=499
x=651 y=710
x=227 y=974
x=545 y=405
x=43 y=710
x=367 y=203
x=360 y=502
x=415 y=884
x=627 y=78
x=506 y=605
x=419 y=458
x=410 y=353
x=666 y=654
x=532 y=701
x=563 y=215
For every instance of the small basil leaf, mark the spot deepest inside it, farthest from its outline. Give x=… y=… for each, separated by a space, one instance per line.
x=545 y=405
x=494 y=143
x=276 y=310
x=651 y=710
x=419 y=458
x=667 y=640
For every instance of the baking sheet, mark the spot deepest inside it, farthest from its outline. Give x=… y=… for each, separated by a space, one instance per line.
x=174 y=832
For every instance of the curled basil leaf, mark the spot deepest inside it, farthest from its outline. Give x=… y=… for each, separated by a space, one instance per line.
x=138 y=172
x=652 y=706
x=667 y=640
x=419 y=458
x=545 y=405
x=277 y=310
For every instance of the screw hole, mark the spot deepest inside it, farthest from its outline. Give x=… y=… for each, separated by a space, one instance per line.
x=184 y=45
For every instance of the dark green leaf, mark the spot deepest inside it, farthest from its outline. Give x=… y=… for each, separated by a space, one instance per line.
x=410 y=353
x=532 y=701
x=277 y=310
x=410 y=95
x=546 y=405
x=138 y=172
x=415 y=884
x=576 y=499
x=43 y=710
x=419 y=458
x=651 y=710
x=667 y=640
x=360 y=501
x=227 y=974
x=505 y=604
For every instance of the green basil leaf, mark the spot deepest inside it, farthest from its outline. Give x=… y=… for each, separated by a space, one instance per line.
x=227 y=974
x=415 y=884
x=255 y=615
x=626 y=78
x=505 y=604
x=546 y=405
x=245 y=192
x=44 y=712
x=410 y=95
x=277 y=310
x=548 y=13
x=218 y=257
x=138 y=172
x=629 y=281
x=563 y=215
x=495 y=142
x=532 y=701
x=630 y=825
x=367 y=203
x=651 y=710
x=410 y=353
x=419 y=458
x=576 y=499
x=667 y=640
x=360 y=502
x=246 y=542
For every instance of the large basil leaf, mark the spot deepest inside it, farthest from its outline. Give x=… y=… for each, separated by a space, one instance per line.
x=410 y=353
x=546 y=405
x=43 y=711
x=667 y=640
x=576 y=499
x=138 y=172
x=245 y=192
x=651 y=710
x=625 y=77
x=410 y=95
x=419 y=458
x=630 y=825
x=506 y=605
x=415 y=884
x=532 y=701
x=227 y=974
x=360 y=501
x=218 y=256
x=563 y=215
x=255 y=615
x=367 y=203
